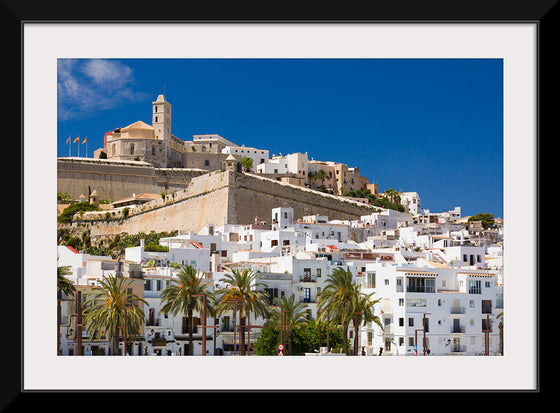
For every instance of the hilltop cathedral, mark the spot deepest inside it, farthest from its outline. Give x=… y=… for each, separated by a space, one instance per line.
x=156 y=144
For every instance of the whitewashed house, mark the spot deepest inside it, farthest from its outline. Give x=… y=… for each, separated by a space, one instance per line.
x=450 y=307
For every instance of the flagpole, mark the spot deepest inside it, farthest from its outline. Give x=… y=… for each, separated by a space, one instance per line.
x=78 y=148
x=69 y=145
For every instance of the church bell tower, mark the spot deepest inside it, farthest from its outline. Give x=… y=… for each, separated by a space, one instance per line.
x=161 y=118
x=161 y=122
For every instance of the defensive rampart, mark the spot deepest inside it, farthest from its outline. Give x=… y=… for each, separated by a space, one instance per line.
x=218 y=198
x=114 y=180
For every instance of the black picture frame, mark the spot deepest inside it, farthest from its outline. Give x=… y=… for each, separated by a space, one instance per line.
x=16 y=13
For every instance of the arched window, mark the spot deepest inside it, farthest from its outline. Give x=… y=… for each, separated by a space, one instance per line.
x=114 y=149
x=132 y=149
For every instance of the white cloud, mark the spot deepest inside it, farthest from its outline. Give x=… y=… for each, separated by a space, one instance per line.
x=86 y=86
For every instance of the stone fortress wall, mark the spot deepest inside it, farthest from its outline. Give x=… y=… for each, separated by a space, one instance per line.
x=114 y=180
x=200 y=198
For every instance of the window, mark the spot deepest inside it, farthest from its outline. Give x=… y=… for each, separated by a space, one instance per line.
x=401 y=302
x=486 y=325
x=426 y=324
x=307 y=295
x=148 y=285
x=370 y=280
x=421 y=285
x=318 y=272
x=206 y=162
x=475 y=287
x=500 y=300
x=401 y=321
x=416 y=302
x=486 y=306
x=272 y=294
x=132 y=149
x=411 y=322
x=273 y=242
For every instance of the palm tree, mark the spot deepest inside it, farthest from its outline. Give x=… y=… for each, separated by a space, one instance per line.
x=321 y=175
x=296 y=314
x=243 y=289
x=180 y=296
x=394 y=196
x=364 y=314
x=104 y=309
x=63 y=284
x=342 y=297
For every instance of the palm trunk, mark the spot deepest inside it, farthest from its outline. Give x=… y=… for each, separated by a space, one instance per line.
x=345 y=336
x=242 y=335
x=116 y=343
x=190 y=322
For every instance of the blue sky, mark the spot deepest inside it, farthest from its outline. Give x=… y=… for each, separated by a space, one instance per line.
x=433 y=126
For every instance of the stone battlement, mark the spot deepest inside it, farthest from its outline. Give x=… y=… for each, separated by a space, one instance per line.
x=222 y=198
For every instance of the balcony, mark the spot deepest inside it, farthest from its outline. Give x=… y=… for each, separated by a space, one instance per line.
x=152 y=322
x=457 y=310
x=458 y=349
x=457 y=329
x=307 y=278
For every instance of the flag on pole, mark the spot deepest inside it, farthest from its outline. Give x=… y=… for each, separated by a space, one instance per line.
x=68 y=140
x=77 y=139
x=85 y=140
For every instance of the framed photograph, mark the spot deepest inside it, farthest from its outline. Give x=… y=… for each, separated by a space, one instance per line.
x=122 y=59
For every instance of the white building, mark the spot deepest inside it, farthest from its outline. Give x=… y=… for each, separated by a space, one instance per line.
x=450 y=306
x=388 y=218
x=187 y=252
x=294 y=163
x=259 y=156
x=411 y=202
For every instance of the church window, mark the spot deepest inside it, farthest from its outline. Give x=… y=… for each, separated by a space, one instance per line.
x=153 y=149
x=156 y=118
x=132 y=149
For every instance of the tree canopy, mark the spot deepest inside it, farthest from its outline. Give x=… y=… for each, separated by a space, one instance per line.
x=487 y=219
